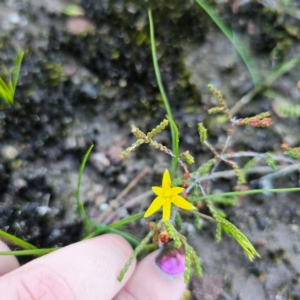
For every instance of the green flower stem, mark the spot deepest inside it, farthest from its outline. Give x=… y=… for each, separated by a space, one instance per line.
x=100 y=229
x=38 y=252
x=136 y=251
x=259 y=191
x=164 y=97
x=4 y=236
x=80 y=208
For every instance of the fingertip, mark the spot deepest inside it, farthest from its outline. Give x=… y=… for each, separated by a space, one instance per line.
x=7 y=263
x=84 y=270
x=149 y=281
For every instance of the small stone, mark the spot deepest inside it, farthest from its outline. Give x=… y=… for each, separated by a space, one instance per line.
x=122 y=83
x=19 y=183
x=100 y=161
x=122 y=179
x=42 y=210
x=103 y=206
x=294 y=227
x=113 y=154
x=100 y=200
x=80 y=26
x=14 y=18
x=9 y=152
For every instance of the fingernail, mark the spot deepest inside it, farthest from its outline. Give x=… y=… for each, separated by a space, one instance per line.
x=171 y=260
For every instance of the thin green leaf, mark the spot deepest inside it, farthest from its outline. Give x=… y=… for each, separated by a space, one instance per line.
x=5 y=93
x=134 y=241
x=16 y=70
x=176 y=138
x=15 y=241
x=251 y=192
x=80 y=207
x=269 y=79
x=174 y=163
x=238 y=45
x=73 y=10
x=127 y=220
x=103 y=229
x=38 y=252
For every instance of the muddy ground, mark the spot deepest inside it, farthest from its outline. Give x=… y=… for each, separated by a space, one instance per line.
x=86 y=79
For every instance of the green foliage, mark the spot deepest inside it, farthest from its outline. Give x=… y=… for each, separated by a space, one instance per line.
x=290 y=111
x=202 y=132
x=80 y=207
x=239 y=174
x=135 y=253
x=192 y=182
x=261 y=120
x=179 y=221
x=236 y=42
x=206 y=167
x=173 y=234
x=225 y=200
x=252 y=162
x=177 y=181
x=197 y=222
x=73 y=10
x=8 y=88
x=187 y=157
x=188 y=265
x=4 y=236
x=233 y=231
x=37 y=252
x=191 y=259
x=146 y=138
x=271 y=161
x=293 y=152
x=175 y=140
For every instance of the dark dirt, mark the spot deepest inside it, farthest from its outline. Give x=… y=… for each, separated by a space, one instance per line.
x=85 y=82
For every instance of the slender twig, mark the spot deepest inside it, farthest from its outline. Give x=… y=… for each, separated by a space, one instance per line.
x=203 y=216
x=131 y=184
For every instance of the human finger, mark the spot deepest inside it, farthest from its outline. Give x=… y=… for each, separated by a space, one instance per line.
x=149 y=282
x=7 y=263
x=85 y=270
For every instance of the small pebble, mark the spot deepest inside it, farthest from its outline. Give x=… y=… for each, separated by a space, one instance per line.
x=9 y=152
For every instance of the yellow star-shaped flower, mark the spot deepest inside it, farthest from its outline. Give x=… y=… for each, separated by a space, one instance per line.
x=167 y=195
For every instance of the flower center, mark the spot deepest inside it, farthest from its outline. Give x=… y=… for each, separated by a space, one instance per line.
x=168 y=194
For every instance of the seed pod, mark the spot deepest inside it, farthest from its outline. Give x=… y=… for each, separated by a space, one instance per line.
x=164 y=237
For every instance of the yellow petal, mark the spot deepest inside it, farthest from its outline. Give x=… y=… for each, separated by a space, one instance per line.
x=177 y=190
x=157 y=190
x=167 y=211
x=156 y=204
x=166 y=182
x=182 y=203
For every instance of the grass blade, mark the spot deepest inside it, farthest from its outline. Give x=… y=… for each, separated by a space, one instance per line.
x=251 y=192
x=5 y=92
x=163 y=94
x=271 y=77
x=16 y=70
x=38 y=252
x=80 y=208
x=4 y=236
x=237 y=44
x=103 y=229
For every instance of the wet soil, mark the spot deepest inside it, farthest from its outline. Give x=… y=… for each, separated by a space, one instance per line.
x=84 y=80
